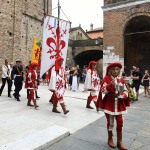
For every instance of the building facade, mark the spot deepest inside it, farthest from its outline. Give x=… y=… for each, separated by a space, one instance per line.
x=82 y=49
x=95 y=33
x=127 y=29
x=20 y=23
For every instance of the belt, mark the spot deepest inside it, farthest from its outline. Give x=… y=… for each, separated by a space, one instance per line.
x=112 y=95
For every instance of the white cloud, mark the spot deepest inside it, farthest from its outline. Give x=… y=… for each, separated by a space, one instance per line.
x=82 y=12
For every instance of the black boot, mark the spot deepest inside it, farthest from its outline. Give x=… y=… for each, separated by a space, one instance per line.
x=9 y=95
x=15 y=95
x=88 y=104
x=18 y=99
x=51 y=99
x=36 y=95
x=0 y=91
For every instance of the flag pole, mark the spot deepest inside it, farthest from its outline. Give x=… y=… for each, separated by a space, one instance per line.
x=58 y=10
x=58 y=33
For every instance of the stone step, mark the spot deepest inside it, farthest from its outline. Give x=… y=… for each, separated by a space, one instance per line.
x=40 y=140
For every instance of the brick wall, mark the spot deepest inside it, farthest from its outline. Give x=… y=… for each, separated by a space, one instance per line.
x=20 y=24
x=114 y=1
x=115 y=21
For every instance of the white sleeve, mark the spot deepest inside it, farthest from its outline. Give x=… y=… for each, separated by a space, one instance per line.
x=52 y=83
x=87 y=84
x=4 y=73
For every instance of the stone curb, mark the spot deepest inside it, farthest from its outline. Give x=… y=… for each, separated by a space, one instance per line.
x=40 y=140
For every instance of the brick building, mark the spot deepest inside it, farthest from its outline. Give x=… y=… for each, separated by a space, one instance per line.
x=95 y=33
x=127 y=28
x=20 y=23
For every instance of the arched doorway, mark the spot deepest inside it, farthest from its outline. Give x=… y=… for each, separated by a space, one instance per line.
x=137 y=43
x=84 y=58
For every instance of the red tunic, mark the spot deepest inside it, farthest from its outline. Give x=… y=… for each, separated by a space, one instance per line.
x=31 y=80
x=111 y=105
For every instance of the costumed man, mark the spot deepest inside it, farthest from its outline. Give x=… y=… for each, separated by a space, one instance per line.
x=26 y=78
x=92 y=83
x=114 y=102
x=57 y=85
x=18 y=78
x=31 y=83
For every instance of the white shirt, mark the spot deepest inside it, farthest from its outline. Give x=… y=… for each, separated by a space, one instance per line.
x=5 y=71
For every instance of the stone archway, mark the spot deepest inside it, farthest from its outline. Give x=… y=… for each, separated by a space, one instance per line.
x=137 y=43
x=85 y=57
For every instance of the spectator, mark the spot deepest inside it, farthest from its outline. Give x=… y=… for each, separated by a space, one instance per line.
x=146 y=80
x=6 y=77
x=136 y=80
x=70 y=77
x=74 y=80
x=67 y=76
x=84 y=73
x=78 y=75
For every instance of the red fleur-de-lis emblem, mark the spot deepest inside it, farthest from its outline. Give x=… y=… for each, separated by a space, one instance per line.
x=95 y=82
x=59 y=84
x=55 y=43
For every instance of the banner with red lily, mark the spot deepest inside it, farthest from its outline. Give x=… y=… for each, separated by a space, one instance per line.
x=95 y=83
x=54 y=42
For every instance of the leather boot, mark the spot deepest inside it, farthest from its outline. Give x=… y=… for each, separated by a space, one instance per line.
x=35 y=105
x=120 y=145
x=29 y=103
x=64 y=108
x=96 y=106
x=110 y=140
x=55 y=107
x=51 y=100
x=88 y=104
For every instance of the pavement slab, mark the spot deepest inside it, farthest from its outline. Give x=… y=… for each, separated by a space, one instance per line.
x=18 y=121
x=136 y=131
x=39 y=140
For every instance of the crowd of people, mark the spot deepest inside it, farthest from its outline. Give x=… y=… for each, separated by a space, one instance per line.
x=137 y=79
x=114 y=90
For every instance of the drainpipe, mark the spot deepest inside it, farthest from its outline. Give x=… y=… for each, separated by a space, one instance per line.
x=14 y=21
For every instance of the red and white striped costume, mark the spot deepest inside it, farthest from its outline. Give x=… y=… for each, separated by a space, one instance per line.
x=88 y=85
x=31 y=83
x=113 y=106
x=57 y=83
x=92 y=82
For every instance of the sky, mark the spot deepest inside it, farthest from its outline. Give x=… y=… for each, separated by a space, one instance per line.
x=82 y=12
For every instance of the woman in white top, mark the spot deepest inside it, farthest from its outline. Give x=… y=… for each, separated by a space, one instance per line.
x=74 y=80
x=67 y=76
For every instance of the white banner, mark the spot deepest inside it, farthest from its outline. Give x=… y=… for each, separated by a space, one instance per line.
x=95 y=83
x=54 y=43
x=60 y=86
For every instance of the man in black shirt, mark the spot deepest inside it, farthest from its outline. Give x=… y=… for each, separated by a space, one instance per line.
x=136 y=78
x=18 y=78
